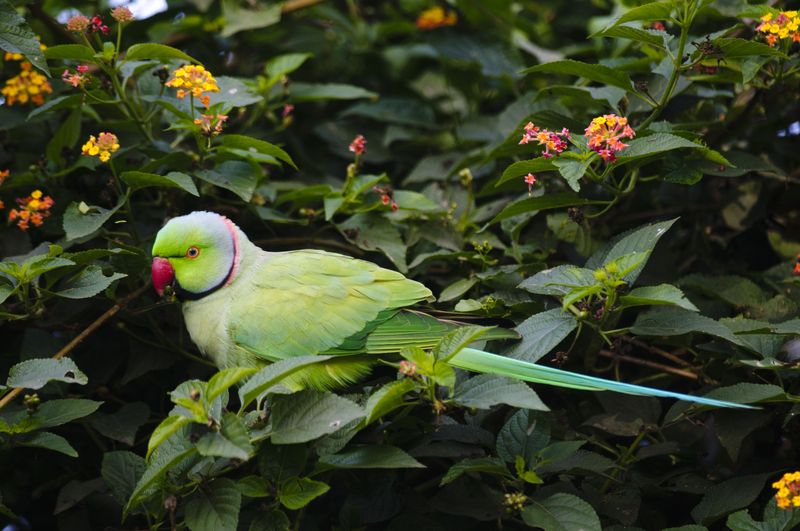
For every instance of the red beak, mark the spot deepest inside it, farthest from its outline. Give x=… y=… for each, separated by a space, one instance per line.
x=163 y=274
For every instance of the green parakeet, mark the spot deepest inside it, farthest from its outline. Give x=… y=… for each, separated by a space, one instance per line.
x=244 y=306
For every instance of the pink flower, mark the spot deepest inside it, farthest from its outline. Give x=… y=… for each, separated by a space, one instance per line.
x=97 y=25
x=78 y=24
x=530 y=180
x=287 y=111
x=552 y=141
x=121 y=14
x=604 y=133
x=358 y=145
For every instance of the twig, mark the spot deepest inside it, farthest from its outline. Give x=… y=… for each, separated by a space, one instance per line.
x=651 y=364
x=655 y=350
x=83 y=335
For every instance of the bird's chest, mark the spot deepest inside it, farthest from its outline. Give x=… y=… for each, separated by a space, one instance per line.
x=207 y=324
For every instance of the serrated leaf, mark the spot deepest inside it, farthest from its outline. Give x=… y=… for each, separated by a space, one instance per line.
x=373 y=456
x=88 y=283
x=214 y=507
x=234 y=175
x=35 y=373
x=487 y=390
x=665 y=294
x=121 y=470
x=78 y=224
x=561 y=512
x=558 y=281
x=677 y=321
x=307 y=415
x=541 y=332
x=453 y=342
x=17 y=37
x=296 y=493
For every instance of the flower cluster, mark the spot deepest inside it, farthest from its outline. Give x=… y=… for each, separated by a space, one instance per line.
x=436 y=17
x=98 y=26
x=31 y=210
x=78 y=23
x=122 y=14
x=210 y=124
x=194 y=80
x=101 y=147
x=786 y=24
x=386 y=196
x=515 y=501
x=408 y=368
x=358 y=145
x=77 y=78
x=530 y=180
x=552 y=141
x=788 y=495
x=28 y=86
x=604 y=135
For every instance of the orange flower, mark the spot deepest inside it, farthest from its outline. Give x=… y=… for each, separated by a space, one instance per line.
x=101 y=147
x=788 y=495
x=604 y=135
x=530 y=180
x=436 y=17
x=211 y=125
x=28 y=86
x=782 y=26
x=549 y=139
x=31 y=210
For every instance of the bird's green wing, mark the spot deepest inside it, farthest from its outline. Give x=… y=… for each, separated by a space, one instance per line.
x=310 y=302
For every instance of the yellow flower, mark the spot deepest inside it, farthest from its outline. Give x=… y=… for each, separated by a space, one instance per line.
x=436 y=17
x=29 y=85
x=194 y=80
x=783 y=26
x=788 y=495
x=101 y=147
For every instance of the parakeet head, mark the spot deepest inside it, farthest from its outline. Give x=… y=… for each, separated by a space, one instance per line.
x=195 y=254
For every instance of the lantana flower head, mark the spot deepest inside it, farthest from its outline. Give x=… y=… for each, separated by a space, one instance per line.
x=358 y=145
x=436 y=17
x=31 y=210
x=788 y=495
x=553 y=142
x=782 y=26
x=77 y=78
x=211 y=125
x=604 y=134
x=78 y=23
x=122 y=14
x=101 y=147
x=97 y=25
x=193 y=80
x=28 y=86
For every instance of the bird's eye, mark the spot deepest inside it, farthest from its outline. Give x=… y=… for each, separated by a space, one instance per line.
x=192 y=252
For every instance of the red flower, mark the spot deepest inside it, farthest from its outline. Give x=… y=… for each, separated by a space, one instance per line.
x=358 y=145
x=97 y=25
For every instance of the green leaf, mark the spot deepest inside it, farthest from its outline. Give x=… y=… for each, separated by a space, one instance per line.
x=748 y=393
x=592 y=72
x=561 y=512
x=522 y=168
x=168 y=455
x=239 y=19
x=122 y=425
x=62 y=102
x=656 y=295
x=174 y=179
x=488 y=465
x=60 y=411
x=328 y=91
x=646 y=146
x=285 y=64
x=253 y=487
x=454 y=342
x=558 y=281
x=735 y=290
x=35 y=373
x=17 y=37
x=121 y=470
x=88 y=283
x=231 y=441
x=275 y=520
x=239 y=177
x=639 y=240
x=75 y=52
x=677 y=321
x=220 y=382
x=296 y=493
x=373 y=232
x=572 y=171
x=487 y=390
x=388 y=398
x=50 y=441
x=734 y=48
x=541 y=332
x=214 y=507
x=728 y=496
x=272 y=375
x=164 y=431
x=308 y=415
x=82 y=220
x=525 y=434
x=373 y=456
x=645 y=13
x=647 y=36
x=545 y=202
x=258 y=146
x=161 y=52
x=457 y=289
x=404 y=111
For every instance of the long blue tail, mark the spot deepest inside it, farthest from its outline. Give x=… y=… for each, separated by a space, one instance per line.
x=486 y=362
